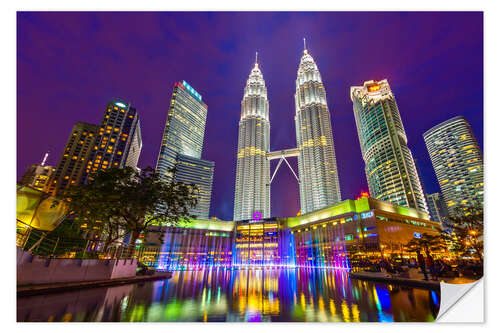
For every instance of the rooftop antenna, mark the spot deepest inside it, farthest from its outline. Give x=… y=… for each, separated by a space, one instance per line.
x=305 y=49
x=256 y=54
x=45 y=158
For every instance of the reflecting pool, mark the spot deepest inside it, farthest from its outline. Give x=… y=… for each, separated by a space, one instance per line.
x=313 y=295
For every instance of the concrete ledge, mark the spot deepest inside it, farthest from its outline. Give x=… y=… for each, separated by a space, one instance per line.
x=40 y=289
x=379 y=277
x=31 y=269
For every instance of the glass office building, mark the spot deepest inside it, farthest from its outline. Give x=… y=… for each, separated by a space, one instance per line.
x=182 y=144
x=437 y=207
x=457 y=161
x=199 y=172
x=389 y=166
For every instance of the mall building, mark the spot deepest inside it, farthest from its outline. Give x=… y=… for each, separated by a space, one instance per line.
x=329 y=237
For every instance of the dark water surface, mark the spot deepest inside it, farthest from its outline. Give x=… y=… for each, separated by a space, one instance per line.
x=238 y=295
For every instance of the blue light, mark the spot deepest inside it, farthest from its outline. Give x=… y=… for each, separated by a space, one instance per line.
x=417 y=235
x=191 y=90
x=120 y=104
x=366 y=215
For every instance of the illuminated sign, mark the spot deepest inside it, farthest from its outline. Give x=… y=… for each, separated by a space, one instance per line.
x=192 y=91
x=373 y=87
x=257 y=216
x=366 y=215
x=120 y=104
x=417 y=235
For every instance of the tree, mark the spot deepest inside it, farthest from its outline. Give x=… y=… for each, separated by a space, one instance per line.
x=426 y=242
x=465 y=230
x=125 y=200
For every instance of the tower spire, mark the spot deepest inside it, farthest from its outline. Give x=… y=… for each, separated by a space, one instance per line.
x=45 y=158
x=305 y=48
x=256 y=54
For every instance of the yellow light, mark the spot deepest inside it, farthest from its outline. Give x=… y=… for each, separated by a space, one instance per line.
x=374 y=87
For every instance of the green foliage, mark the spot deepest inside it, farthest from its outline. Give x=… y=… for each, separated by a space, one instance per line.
x=427 y=243
x=464 y=230
x=123 y=200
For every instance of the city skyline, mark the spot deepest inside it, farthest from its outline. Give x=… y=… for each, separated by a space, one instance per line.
x=285 y=199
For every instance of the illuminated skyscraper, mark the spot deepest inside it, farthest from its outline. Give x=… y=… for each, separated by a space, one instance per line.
x=252 y=190
x=319 y=181
x=437 y=207
x=182 y=145
x=119 y=140
x=72 y=164
x=457 y=161
x=200 y=172
x=389 y=165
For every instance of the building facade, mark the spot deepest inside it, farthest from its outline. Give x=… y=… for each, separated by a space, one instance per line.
x=252 y=188
x=437 y=207
x=119 y=140
x=72 y=165
x=182 y=145
x=333 y=237
x=457 y=161
x=201 y=173
x=389 y=166
x=318 y=176
x=38 y=176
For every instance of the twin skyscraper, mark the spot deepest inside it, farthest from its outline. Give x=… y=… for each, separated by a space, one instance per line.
x=318 y=177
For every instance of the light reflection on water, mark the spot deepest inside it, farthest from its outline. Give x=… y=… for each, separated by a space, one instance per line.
x=239 y=295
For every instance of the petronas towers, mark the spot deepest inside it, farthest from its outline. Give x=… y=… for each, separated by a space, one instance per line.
x=252 y=190
x=319 y=181
x=318 y=178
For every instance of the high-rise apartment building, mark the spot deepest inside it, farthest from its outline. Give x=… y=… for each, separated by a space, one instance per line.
x=389 y=166
x=182 y=144
x=119 y=140
x=457 y=161
x=319 y=181
x=437 y=207
x=72 y=164
x=252 y=191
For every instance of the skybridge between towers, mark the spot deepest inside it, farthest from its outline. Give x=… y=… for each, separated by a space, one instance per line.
x=282 y=155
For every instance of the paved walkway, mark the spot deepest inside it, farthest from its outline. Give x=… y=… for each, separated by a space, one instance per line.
x=416 y=279
x=39 y=289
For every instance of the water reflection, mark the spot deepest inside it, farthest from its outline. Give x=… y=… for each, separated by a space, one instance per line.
x=239 y=295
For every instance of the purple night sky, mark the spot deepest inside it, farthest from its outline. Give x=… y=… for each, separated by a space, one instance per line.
x=70 y=64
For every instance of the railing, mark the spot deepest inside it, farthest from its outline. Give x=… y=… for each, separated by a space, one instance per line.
x=45 y=245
